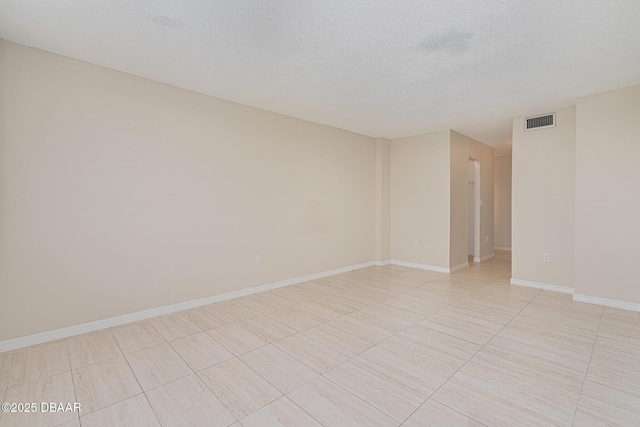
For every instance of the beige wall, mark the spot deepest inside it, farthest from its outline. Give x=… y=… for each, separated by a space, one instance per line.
x=121 y=194
x=485 y=155
x=459 y=210
x=543 y=200
x=383 y=199
x=607 y=222
x=502 y=202
x=420 y=199
x=429 y=190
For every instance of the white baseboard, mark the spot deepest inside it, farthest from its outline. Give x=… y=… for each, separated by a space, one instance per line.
x=459 y=267
x=387 y=262
x=503 y=248
x=484 y=258
x=607 y=302
x=71 y=331
x=624 y=305
x=540 y=285
x=426 y=266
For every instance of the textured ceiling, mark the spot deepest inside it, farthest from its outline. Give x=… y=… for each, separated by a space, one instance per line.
x=381 y=68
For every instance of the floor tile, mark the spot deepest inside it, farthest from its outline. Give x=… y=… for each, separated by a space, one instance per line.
x=415 y=375
x=315 y=355
x=332 y=405
x=468 y=328
x=104 y=384
x=614 y=345
x=560 y=341
x=342 y=305
x=281 y=370
x=587 y=416
x=365 y=347
x=235 y=311
x=38 y=362
x=383 y=393
x=365 y=331
x=430 y=348
x=6 y=360
x=502 y=288
x=174 y=326
x=418 y=305
x=531 y=367
x=440 y=341
x=433 y=413
x=493 y=397
x=155 y=366
x=73 y=423
x=236 y=338
x=440 y=292
x=200 y=351
x=614 y=370
x=609 y=399
x=283 y=412
x=337 y=339
x=387 y=317
x=135 y=411
x=92 y=348
x=188 y=402
x=238 y=387
x=207 y=317
x=56 y=388
x=268 y=329
x=317 y=311
x=293 y=317
x=136 y=336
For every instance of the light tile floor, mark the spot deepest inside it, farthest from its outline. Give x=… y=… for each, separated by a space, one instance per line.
x=379 y=346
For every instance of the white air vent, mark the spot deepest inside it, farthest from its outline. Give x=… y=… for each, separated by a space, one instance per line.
x=540 y=122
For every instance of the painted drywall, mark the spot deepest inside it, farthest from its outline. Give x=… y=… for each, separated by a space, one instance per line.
x=383 y=199
x=460 y=193
x=543 y=200
x=429 y=190
x=459 y=210
x=121 y=194
x=502 y=202
x=471 y=218
x=607 y=229
x=420 y=199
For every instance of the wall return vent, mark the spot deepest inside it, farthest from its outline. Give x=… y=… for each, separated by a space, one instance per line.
x=540 y=122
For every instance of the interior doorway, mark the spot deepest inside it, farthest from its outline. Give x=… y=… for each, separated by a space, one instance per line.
x=474 y=204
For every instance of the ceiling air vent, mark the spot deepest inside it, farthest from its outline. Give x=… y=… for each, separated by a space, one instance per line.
x=540 y=122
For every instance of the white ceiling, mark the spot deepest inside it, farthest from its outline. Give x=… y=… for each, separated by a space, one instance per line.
x=381 y=68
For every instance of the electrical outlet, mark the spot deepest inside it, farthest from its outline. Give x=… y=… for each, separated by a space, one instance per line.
x=415 y=243
x=258 y=259
x=486 y=238
x=546 y=257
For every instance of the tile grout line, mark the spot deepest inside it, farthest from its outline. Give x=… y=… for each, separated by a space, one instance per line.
x=443 y=308
x=575 y=411
x=368 y=303
x=394 y=334
x=478 y=351
x=73 y=381
x=137 y=380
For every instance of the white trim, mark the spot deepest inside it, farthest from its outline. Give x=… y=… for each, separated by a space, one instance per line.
x=420 y=266
x=71 y=331
x=625 y=305
x=484 y=258
x=459 y=267
x=503 y=248
x=540 y=285
x=387 y=262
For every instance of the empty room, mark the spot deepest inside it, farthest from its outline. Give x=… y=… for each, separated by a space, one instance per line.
x=243 y=213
